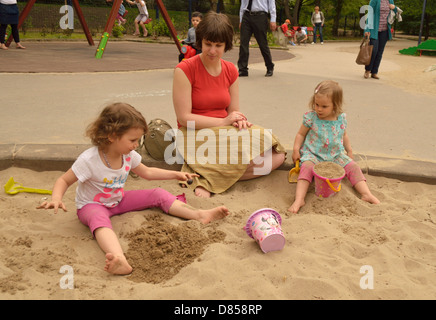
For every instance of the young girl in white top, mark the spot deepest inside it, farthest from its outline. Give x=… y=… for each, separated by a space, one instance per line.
x=102 y=171
x=323 y=137
x=141 y=19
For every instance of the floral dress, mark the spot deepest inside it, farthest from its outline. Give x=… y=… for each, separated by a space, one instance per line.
x=325 y=140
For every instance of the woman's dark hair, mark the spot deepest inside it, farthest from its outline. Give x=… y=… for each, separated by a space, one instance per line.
x=215 y=27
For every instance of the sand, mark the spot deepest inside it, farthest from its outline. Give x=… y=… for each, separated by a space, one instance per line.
x=327 y=244
x=329 y=170
x=333 y=246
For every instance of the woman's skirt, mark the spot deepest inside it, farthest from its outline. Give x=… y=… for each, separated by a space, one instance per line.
x=9 y=14
x=221 y=155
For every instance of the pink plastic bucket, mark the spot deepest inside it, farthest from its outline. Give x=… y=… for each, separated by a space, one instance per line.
x=264 y=226
x=325 y=187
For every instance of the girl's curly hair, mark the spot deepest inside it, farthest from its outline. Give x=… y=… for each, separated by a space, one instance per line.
x=114 y=120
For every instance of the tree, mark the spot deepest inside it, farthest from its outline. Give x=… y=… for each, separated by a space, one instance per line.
x=412 y=11
x=338 y=9
x=296 y=8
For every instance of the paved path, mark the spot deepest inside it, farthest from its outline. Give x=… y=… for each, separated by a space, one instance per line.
x=384 y=120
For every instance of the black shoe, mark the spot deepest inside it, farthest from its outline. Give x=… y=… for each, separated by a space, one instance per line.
x=269 y=73
x=243 y=73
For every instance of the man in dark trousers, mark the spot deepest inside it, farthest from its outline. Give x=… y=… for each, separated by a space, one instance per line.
x=253 y=19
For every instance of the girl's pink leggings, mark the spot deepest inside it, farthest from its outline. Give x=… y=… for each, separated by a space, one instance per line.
x=352 y=171
x=95 y=215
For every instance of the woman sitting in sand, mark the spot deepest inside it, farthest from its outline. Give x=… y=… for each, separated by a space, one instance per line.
x=102 y=172
x=206 y=99
x=323 y=137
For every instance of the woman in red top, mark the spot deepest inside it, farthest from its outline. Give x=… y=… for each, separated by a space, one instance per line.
x=206 y=94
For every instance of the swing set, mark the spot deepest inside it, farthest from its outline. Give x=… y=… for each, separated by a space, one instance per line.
x=109 y=24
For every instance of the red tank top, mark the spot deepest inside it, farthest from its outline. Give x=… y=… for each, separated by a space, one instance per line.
x=210 y=95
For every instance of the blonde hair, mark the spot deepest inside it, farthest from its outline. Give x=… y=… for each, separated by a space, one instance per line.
x=114 y=120
x=333 y=90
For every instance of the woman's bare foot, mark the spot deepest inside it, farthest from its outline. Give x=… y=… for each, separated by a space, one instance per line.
x=3 y=47
x=214 y=214
x=202 y=192
x=117 y=265
x=20 y=46
x=296 y=206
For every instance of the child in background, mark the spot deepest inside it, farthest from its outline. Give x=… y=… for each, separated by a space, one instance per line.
x=102 y=172
x=288 y=31
x=300 y=36
x=142 y=18
x=190 y=40
x=121 y=13
x=323 y=137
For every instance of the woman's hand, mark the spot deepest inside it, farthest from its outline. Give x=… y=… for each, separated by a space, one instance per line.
x=238 y=120
x=242 y=124
x=235 y=116
x=392 y=6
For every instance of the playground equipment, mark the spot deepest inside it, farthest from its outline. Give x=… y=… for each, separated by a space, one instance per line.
x=428 y=47
x=110 y=23
x=188 y=51
x=108 y=28
x=25 y=12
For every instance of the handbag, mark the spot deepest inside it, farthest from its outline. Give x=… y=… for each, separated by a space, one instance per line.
x=154 y=142
x=365 y=52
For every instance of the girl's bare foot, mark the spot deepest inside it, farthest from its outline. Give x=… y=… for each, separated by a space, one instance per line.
x=370 y=198
x=202 y=192
x=117 y=265
x=214 y=214
x=296 y=206
x=3 y=46
x=20 y=46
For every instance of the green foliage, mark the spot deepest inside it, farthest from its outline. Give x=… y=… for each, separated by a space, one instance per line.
x=412 y=13
x=118 y=30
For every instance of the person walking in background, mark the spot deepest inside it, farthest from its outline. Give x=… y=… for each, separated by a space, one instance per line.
x=9 y=15
x=378 y=30
x=253 y=19
x=318 y=23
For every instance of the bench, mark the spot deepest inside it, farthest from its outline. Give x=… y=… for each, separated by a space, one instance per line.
x=429 y=50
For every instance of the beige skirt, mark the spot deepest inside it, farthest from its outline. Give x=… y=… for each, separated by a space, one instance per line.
x=221 y=155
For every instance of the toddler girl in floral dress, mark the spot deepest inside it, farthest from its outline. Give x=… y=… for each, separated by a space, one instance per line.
x=323 y=137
